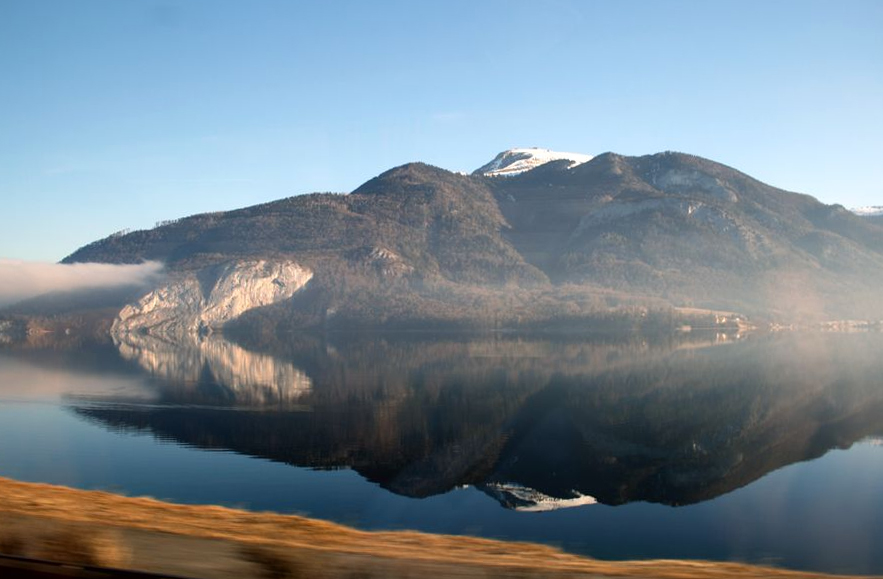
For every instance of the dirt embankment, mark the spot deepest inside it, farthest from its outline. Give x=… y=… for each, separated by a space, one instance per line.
x=99 y=528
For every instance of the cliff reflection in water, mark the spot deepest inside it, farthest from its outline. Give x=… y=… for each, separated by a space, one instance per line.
x=211 y=370
x=533 y=422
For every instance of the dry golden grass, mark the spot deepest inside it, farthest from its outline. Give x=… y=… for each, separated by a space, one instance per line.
x=96 y=548
x=256 y=532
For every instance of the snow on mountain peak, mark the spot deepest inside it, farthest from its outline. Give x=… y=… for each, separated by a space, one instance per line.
x=869 y=211
x=517 y=161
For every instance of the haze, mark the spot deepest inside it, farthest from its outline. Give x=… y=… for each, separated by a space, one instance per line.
x=23 y=279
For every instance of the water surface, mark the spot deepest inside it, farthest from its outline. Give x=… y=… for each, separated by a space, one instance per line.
x=763 y=449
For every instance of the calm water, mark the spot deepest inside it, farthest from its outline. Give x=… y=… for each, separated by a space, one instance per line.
x=766 y=449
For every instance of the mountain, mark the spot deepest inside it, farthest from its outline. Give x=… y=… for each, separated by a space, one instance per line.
x=534 y=238
x=693 y=232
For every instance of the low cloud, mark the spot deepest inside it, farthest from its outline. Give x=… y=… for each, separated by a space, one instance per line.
x=21 y=280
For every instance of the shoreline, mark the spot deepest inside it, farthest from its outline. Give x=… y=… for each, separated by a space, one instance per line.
x=328 y=545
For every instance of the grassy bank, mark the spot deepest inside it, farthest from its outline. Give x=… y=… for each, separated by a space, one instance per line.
x=210 y=541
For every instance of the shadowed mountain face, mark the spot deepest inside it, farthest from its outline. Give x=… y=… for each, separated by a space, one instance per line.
x=875 y=219
x=565 y=420
x=690 y=230
x=420 y=245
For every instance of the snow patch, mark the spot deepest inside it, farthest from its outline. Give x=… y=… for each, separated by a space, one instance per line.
x=521 y=160
x=869 y=211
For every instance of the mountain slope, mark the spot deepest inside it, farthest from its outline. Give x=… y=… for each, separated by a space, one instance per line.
x=559 y=238
x=432 y=221
x=873 y=214
x=411 y=245
x=692 y=231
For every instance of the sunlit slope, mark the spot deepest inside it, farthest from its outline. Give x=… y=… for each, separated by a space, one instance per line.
x=558 y=241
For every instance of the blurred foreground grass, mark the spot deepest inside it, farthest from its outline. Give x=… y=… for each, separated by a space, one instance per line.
x=98 y=528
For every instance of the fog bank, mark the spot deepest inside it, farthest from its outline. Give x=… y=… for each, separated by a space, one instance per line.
x=21 y=280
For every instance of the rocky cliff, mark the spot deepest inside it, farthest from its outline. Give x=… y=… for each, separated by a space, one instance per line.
x=196 y=302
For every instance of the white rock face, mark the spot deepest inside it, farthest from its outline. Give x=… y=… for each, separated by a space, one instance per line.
x=516 y=161
x=198 y=302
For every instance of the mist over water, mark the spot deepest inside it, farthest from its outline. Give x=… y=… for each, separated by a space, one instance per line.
x=20 y=280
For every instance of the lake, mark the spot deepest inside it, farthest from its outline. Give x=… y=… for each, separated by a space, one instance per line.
x=763 y=448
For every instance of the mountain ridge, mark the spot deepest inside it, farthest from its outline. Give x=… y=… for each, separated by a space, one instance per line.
x=563 y=240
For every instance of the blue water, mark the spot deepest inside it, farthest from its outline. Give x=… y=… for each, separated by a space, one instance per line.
x=823 y=514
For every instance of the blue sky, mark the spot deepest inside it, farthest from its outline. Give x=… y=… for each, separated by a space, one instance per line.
x=119 y=114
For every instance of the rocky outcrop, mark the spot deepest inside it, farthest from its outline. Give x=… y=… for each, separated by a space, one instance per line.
x=196 y=302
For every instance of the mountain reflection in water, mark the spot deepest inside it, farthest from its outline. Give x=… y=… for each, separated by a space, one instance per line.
x=564 y=419
x=211 y=370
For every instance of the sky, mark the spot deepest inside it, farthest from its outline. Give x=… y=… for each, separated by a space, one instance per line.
x=116 y=115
